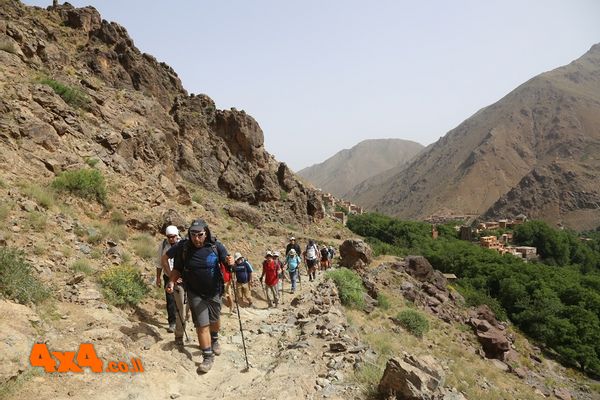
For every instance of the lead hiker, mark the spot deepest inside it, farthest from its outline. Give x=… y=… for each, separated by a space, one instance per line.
x=269 y=273
x=197 y=261
x=164 y=268
x=293 y=263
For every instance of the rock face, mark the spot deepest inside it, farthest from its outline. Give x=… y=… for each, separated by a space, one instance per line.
x=355 y=254
x=130 y=112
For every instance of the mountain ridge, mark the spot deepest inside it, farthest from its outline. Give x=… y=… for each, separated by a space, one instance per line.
x=549 y=117
x=348 y=167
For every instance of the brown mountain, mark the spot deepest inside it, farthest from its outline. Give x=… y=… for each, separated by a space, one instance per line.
x=535 y=151
x=75 y=87
x=339 y=173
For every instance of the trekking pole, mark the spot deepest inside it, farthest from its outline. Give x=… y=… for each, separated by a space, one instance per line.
x=187 y=339
x=237 y=306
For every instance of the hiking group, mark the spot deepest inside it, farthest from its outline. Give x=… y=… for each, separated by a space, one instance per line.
x=198 y=273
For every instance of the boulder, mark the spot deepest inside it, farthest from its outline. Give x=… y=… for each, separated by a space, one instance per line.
x=86 y=18
x=355 y=254
x=172 y=217
x=245 y=213
x=411 y=378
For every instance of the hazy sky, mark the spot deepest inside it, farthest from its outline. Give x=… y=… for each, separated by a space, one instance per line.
x=320 y=76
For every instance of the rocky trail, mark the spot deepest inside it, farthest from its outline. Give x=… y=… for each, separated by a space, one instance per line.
x=298 y=350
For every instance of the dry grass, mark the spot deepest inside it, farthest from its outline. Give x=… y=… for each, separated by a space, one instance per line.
x=453 y=344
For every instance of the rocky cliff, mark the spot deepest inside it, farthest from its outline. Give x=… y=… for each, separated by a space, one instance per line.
x=535 y=152
x=75 y=87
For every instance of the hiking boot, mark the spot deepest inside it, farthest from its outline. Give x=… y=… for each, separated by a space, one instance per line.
x=171 y=328
x=206 y=365
x=216 y=348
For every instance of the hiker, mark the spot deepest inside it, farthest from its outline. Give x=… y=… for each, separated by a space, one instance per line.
x=279 y=267
x=292 y=245
x=310 y=259
x=331 y=254
x=243 y=278
x=324 y=258
x=269 y=273
x=197 y=261
x=164 y=269
x=293 y=264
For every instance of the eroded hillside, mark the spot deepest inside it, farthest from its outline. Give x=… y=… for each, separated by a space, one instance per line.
x=535 y=152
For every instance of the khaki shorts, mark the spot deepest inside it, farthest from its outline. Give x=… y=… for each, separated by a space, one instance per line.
x=243 y=290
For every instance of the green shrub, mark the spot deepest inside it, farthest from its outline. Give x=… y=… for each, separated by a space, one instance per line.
x=383 y=301
x=82 y=265
x=92 y=162
x=123 y=285
x=42 y=195
x=85 y=183
x=144 y=247
x=476 y=298
x=95 y=235
x=72 y=96
x=36 y=220
x=115 y=231
x=368 y=377
x=349 y=286
x=17 y=280
x=117 y=218
x=5 y=210
x=413 y=321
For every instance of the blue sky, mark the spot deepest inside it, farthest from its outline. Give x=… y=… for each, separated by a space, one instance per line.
x=321 y=76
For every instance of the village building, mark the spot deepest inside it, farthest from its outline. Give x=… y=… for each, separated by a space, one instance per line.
x=527 y=252
x=341 y=216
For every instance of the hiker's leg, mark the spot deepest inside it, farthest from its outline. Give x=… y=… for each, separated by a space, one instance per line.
x=178 y=295
x=200 y=315
x=246 y=292
x=171 y=311
x=268 y=296
x=293 y=279
x=240 y=291
x=203 y=337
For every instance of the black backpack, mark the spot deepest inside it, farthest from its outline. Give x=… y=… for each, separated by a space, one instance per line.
x=204 y=291
x=324 y=252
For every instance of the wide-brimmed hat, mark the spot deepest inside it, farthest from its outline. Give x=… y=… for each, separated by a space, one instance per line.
x=237 y=256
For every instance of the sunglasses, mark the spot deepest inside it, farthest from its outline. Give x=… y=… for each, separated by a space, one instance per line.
x=197 y=234
x=171 y=236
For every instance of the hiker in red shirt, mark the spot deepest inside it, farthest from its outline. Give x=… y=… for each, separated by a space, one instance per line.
x=270 y=274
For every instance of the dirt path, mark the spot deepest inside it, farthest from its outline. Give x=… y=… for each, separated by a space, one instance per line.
x=286 y=353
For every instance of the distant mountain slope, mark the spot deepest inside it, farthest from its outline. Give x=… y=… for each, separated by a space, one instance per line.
x=348 y=167
x=536 y=151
